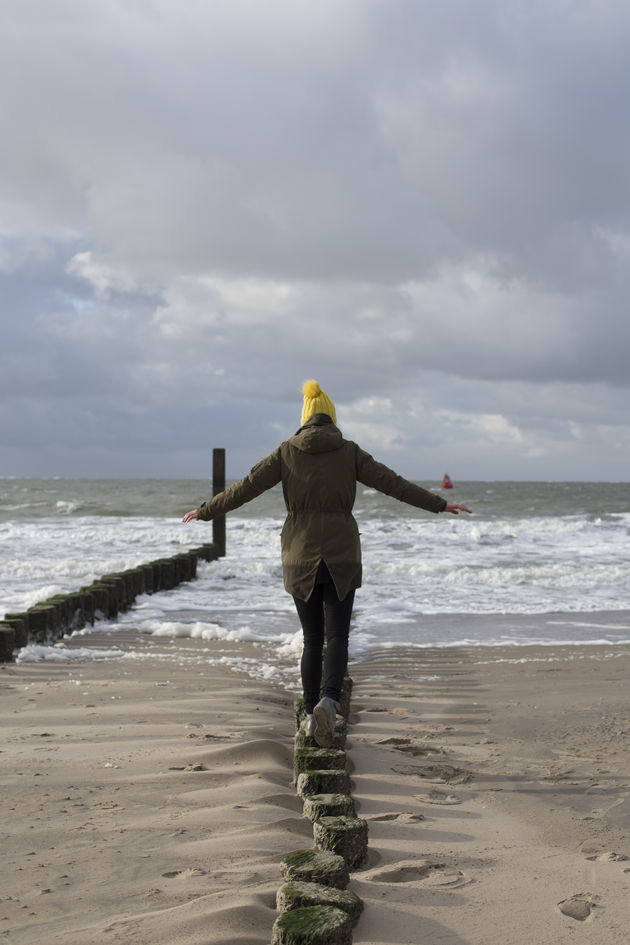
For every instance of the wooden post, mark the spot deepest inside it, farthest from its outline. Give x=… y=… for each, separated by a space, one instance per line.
x=218 y=485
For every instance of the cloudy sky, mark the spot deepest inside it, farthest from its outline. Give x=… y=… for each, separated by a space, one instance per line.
x=423 y=205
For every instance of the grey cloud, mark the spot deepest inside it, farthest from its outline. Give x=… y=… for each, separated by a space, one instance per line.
x=207 y=145
x=423 y=204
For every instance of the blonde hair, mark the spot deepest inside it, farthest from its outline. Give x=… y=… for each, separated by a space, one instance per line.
x=316 y=401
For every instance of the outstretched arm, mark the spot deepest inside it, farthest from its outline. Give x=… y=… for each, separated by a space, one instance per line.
x=381 y=477
x=263 y=476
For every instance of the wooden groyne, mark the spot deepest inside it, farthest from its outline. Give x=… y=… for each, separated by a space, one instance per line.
x=314 y=904
x=114 y=593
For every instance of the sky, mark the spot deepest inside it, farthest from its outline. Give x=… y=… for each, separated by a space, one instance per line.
x=424 y=206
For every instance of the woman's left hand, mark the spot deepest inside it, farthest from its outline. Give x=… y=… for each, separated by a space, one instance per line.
x=455 y=509
x=191 y=516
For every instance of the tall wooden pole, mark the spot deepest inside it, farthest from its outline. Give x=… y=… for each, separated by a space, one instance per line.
x=218 y=485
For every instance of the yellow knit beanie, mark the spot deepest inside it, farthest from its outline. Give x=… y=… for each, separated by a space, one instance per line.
x=316 y=401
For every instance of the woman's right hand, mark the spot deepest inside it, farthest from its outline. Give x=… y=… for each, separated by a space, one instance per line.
x=455 y=508
x=191 y=516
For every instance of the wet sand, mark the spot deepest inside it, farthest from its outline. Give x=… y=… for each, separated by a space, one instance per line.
x=151 y=801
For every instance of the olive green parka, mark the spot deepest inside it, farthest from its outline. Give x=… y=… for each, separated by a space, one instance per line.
x=319 y=471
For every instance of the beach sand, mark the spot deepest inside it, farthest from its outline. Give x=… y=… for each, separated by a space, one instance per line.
x=150 y=801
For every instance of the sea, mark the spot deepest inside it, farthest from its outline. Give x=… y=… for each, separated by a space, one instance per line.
x=545 y=563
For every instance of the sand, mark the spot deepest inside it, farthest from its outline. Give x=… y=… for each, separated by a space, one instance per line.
x=521 y=775
x=151 y=801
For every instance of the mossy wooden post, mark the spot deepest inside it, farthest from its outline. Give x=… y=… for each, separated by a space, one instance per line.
x=218 y=485
x=148 y=577
x=80 y=610
x=346 y=694
x=336 y=781
x=41 y=624
x=313 y=925
x=101 y=599
x=116 y=586
x=19 y=624
x=164 y=572
x=7 y=642
x=208 y=552
x=316 y=866
x=297 y=895
x=300 y=714
x=318 y=759
x=328 y=805
x=345 y=836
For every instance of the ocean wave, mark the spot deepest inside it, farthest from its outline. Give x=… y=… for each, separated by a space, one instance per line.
x=527 y=549
x=66 y=507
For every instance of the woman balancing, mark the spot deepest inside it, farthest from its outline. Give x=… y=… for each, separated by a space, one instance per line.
x=321 y=550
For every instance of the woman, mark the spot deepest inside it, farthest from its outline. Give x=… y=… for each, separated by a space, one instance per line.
x=321 y=550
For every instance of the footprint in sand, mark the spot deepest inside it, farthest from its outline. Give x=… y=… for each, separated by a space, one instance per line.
x=405 y=817
x=189 y=873
x=578 y=907
x=608 y=857
x=595 y=854
x=423 y=872
x=436 y=772
x=437 y=797
x=407 y=745
x=420 y=750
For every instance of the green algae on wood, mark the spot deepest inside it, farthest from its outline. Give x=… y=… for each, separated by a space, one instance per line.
x=296 y=895
x=328 y=805
x=316 y=866
x=346 y=694
x=318 y=759
x=323 y=782
x=313 y=925
x=7 y=642
x=346 y=836
x=18 y=622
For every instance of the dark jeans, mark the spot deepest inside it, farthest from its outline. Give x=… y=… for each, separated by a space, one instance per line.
x=324 y=616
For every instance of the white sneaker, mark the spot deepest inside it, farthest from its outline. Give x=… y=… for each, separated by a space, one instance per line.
x=325 y=713
x=309 y=726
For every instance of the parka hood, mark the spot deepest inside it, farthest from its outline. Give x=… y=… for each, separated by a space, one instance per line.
x=318 y=435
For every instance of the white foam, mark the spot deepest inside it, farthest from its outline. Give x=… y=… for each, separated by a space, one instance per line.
x=199 y=631
x=290 y=645
x=58 y=653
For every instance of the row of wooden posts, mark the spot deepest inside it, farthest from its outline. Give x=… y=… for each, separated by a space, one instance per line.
x=111 y=594
x=314 y=904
